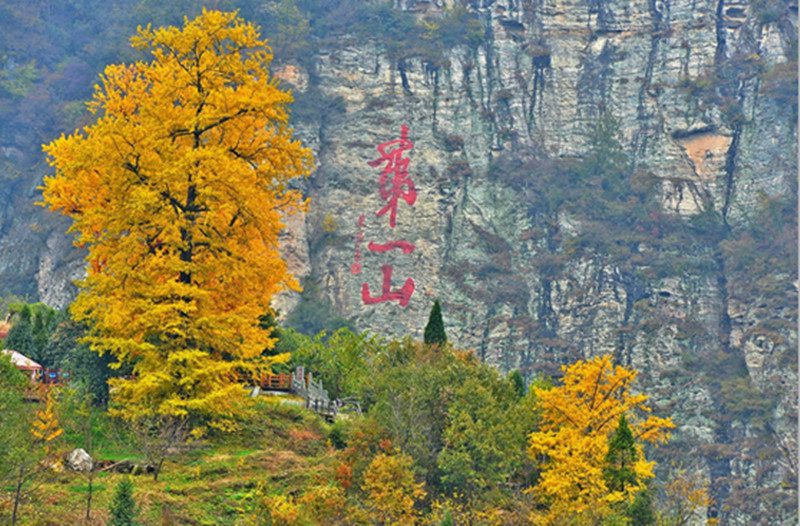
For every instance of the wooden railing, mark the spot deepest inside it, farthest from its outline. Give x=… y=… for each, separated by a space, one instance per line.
x=277 y=382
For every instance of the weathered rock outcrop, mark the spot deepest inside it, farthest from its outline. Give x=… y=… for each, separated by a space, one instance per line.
x=543 y=76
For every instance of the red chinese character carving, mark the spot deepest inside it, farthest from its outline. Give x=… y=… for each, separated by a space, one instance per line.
x=400 y=186
x=402 y=295
x=380 y=248
x=355 y=268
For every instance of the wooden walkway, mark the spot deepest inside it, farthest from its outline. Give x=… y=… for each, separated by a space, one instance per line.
x=302 y=383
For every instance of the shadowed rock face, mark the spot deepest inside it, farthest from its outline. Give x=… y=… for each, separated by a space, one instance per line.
x=686 y=80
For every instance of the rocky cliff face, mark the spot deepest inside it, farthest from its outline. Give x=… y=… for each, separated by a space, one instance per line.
x=693 y=85
x=542 y=77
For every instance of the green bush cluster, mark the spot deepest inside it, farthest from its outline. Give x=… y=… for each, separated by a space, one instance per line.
x=463 y=423
x=296 y=27
x=51 y=338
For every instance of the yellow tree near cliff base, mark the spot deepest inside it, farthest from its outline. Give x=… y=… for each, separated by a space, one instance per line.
x=177 y=191
x=578 y=417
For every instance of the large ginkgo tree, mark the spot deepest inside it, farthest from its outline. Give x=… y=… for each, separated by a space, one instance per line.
x=177 y=191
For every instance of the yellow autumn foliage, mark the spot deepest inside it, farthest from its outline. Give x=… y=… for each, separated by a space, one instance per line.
x=45 y=427
x=686 y=499
x=393 y=492
x=177 y=191
x=577 y=419
x=283 y=510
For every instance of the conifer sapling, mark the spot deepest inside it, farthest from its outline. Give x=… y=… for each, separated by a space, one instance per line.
x=123 y=509
x=434 y=331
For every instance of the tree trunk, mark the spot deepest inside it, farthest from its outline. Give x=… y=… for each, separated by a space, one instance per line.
x=158 y=469
x=89 y=495
x=17 y=494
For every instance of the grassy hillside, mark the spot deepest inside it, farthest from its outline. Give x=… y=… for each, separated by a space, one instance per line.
x=281 y=449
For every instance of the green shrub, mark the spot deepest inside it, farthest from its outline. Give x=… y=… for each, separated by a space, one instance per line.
x=123 y=509
x=338 y=433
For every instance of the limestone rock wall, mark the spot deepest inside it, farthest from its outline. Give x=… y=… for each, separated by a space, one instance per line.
x=546 y=71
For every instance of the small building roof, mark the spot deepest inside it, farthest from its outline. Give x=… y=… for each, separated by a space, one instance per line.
x=21 y=361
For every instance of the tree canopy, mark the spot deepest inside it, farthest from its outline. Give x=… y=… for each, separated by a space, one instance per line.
x=585 y=446
x=188 y=161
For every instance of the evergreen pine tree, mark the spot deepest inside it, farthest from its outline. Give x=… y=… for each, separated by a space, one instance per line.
x=20 y=337
x=515 y=377
x=123 y=508
x=621 y=457
x=30 y=332
x=44 y=323
x=434 y=331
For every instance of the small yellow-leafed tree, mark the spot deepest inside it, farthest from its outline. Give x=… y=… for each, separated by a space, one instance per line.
x=177 y=191
x=686 y=499
x=393 y=492
x=578 y=419
x=24 y=453
x=45 y=428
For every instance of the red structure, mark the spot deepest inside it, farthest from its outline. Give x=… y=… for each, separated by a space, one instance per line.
x=277 y=382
